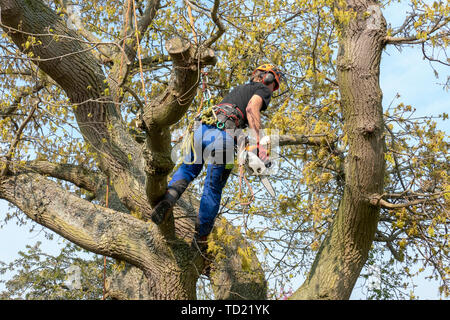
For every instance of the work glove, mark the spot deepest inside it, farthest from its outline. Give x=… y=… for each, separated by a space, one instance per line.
x=262 y=153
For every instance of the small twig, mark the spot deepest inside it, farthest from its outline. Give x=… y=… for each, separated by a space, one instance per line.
x=432 y=59
x=377 y=200
x=16 y=140
x=135 y=96
x=220 y=26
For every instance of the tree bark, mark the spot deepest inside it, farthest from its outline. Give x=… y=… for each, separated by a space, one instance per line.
x=345 y=248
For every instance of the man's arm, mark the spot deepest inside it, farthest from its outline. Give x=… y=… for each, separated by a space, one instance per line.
x=254 y=116
x=254 y=122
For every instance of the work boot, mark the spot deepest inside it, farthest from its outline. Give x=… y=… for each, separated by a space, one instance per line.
x=201 y=242
x=159 y=212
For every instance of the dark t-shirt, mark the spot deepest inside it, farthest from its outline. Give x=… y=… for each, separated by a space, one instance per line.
x=242 y=94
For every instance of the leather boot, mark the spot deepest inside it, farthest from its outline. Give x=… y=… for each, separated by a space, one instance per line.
x=200 y=241
x=159 y=212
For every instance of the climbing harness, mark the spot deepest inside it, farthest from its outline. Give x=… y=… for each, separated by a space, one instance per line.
x=224 y=116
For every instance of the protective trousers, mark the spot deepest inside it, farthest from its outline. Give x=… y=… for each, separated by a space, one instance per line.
x=217 y=148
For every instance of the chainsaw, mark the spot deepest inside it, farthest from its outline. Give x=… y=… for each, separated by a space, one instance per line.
x=254 y=166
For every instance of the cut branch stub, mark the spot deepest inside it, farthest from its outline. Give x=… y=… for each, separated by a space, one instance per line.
x=176 y=46
x=182 y=52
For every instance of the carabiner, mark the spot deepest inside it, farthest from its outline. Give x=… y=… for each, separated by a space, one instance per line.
x=220 y=125
x=207 y=94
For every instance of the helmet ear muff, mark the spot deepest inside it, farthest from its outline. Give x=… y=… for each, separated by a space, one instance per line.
x=268 y=78
x=268 y=74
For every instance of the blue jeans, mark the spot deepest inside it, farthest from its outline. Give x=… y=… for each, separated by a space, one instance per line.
x=209 y=142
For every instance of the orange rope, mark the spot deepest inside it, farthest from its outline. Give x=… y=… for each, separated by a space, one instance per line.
x=104 y=257
x=139 y=52
x=124 y=36
x=191 y=20
x=242 y=177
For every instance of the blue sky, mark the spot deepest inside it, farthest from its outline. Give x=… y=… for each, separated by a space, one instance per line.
x=413 y=78
x=404 y=73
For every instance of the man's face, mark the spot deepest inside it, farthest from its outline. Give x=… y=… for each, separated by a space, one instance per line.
x=271 y=86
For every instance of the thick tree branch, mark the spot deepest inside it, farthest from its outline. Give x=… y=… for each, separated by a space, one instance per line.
x=95 y=228
x=79 y=176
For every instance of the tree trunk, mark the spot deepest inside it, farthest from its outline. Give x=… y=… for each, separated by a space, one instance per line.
x=345 y=248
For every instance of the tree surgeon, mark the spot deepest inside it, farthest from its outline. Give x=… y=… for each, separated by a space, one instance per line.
x=216 y=138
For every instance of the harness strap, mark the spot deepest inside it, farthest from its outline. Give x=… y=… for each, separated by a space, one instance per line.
x=227 y=111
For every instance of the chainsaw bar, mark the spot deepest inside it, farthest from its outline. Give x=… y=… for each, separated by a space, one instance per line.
x=267 y=185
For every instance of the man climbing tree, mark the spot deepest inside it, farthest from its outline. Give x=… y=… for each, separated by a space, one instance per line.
x=216 y=135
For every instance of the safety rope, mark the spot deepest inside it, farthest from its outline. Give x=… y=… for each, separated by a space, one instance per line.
x=252 y=194
x=104 y=257
x=191 y=21
x=141 y=71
